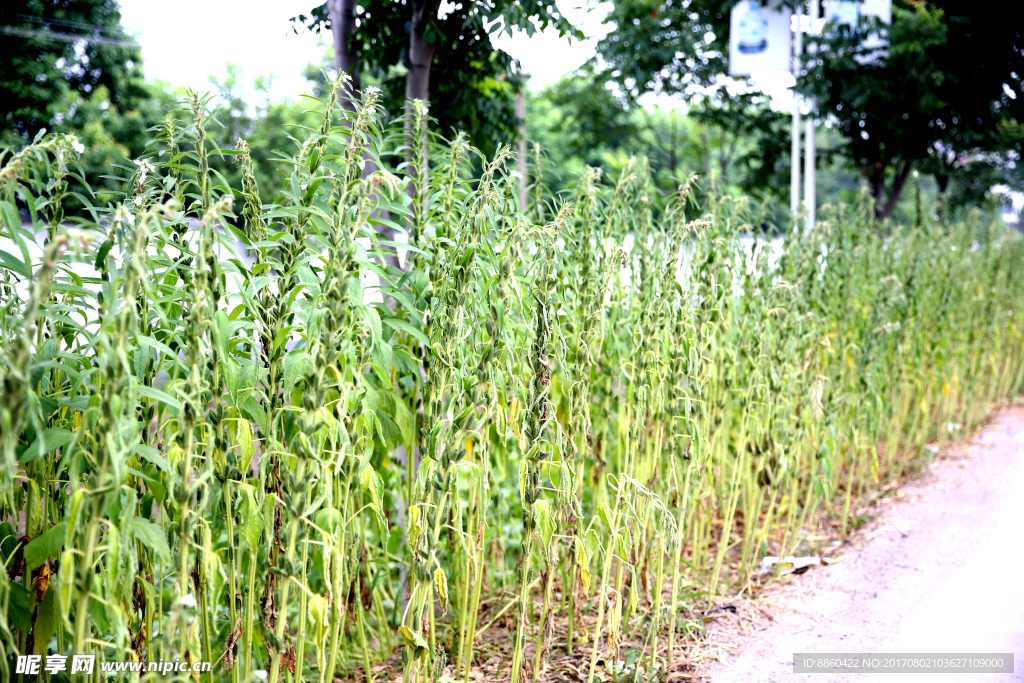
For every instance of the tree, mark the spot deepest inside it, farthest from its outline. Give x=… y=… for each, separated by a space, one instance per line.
x=668 y=46
x=752 y=136
x=580 y=121
x=403 y=43
x=982 y=142
x=54 y=49
x=593 y=117
x=886 y=107
x=270 y=128
x=935 y=99
x=682 y=48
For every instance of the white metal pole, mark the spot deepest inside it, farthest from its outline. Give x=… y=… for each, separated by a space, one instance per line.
x=810 y=190
x=809 y=187
x=794 y=166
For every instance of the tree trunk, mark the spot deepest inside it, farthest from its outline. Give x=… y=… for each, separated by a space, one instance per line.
x=343 y=23
x=672 y=149
x=417 y=81
x=876 y=178
x=705 y=160
x=883 y=211
x=421 y=52
x=942 y=180
x=346 y=59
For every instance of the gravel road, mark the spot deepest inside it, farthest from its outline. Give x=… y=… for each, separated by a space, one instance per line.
x=941 y=571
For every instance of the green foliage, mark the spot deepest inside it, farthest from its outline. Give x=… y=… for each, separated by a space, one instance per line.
x=230 y=431
x=272 y=129
x=72 y=70
x=56 y=53
x=738 y=140
x=934 y=100
x=473 y=85
x=112 y=137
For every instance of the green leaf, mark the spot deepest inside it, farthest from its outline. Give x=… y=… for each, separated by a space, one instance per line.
x=229 y=367
x=383 y=356
x=47 y=620
x=223 y=333
x=296 y=364
x=593 y=542
x=101 y=253
x=155 y=344
x=8 y=540
x=151 y=536
x=252 y=520
x=256 y=413
x=46 y=545
x=143 y=354
x=157 y=395
x=19 y=607
x=12 y=262
x=329 y=519
x=400 y=325
x=51 y=439
x=405 y=420
x=99 y=616
x=153 y=455
x=373 y=320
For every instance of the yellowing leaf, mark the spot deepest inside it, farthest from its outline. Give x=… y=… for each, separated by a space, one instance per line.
x=318 y=615
x=441 y=582
x=412 y=638
x=582 y=556
x=414 y=525
x=545 y=521
x=366 y=477
x=244 y=435
x=614 y=621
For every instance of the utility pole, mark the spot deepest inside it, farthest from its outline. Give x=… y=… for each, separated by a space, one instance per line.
x=794 y=166
x=810 y=189
x=521 y=161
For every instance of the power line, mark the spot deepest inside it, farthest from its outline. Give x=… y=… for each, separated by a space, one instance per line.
x=61 y=22
x=57 y=37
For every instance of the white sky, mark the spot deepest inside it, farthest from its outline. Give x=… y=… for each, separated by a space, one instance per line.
x=186 y=46
x=186 y=42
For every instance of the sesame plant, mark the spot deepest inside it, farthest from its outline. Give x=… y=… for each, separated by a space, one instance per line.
x=543 y=436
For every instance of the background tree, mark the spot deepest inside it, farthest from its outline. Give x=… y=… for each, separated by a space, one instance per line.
x=682 y=49
x=401 y=44
x=54 y=48
x=270 y=127
x=935 y=100
x=69 y=67
x=887 y=107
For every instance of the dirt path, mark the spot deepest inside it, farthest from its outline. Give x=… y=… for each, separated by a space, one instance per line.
x=941 y=571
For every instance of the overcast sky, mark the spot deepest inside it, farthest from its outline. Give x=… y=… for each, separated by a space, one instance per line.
x=185 y=46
